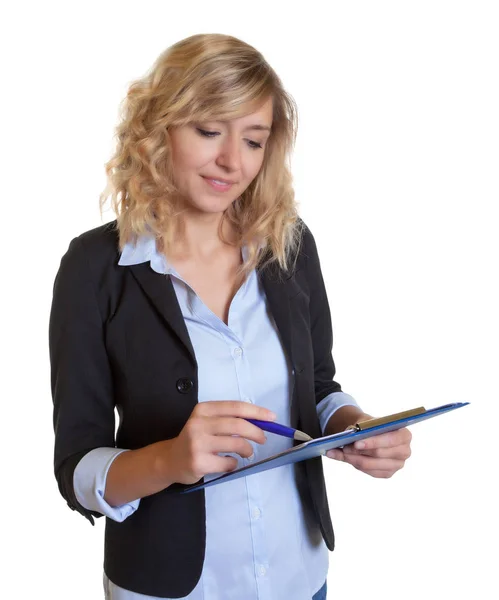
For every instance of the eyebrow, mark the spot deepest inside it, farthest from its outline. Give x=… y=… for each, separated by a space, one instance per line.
x=257 y=127
x=254 y=127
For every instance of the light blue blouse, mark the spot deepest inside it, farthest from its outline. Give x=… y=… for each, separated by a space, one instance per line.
x=261 y=544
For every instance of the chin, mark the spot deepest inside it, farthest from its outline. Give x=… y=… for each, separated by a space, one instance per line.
x=211 y=204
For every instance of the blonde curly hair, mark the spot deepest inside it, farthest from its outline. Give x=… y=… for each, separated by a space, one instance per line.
x=204 y=77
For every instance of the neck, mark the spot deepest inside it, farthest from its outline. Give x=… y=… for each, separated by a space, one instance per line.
x=199 y=235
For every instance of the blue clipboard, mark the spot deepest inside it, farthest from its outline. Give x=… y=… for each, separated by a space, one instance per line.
x=320 y=446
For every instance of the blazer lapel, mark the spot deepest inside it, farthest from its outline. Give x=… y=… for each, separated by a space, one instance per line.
x=279 y=304
x=159 y=290
x=277 y=290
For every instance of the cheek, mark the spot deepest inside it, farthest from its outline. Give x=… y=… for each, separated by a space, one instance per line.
x=254 y=165
x=190 y=156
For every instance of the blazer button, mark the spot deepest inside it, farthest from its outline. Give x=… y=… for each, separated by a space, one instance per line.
x=184 y=385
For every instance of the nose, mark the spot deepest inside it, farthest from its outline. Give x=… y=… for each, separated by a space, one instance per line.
x=229 y=155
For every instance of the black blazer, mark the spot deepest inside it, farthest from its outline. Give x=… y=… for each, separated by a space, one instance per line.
x=117 y=338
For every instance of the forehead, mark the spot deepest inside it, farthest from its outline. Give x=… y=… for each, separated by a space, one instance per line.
x=256 y=118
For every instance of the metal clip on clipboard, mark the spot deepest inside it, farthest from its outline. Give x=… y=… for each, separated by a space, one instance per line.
x=368 y=423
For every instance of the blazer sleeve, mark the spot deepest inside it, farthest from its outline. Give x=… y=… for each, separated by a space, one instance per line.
x=320 y=322
x=81 y=379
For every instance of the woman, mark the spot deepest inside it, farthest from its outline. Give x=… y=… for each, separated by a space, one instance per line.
x=201 y=306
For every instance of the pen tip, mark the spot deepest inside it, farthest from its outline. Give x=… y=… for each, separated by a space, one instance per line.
x=302 y=437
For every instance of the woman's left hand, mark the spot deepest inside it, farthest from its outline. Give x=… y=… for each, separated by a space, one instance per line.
x=379 y=456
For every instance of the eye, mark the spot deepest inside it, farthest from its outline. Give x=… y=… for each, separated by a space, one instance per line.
x=207 y=133
x=253 y=145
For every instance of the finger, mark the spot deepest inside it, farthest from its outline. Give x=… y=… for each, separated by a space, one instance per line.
x=234 y=408
x=398 y=452
x=380 y=474
x=221 y=464
x=336 y=454
x=234 y=444
x=235 y=426
x=205 y=464
x=385 y=440
x=368 y=464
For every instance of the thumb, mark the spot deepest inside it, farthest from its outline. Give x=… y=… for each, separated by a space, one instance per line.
x=336 y=454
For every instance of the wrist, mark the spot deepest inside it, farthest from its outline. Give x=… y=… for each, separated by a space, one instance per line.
x=343 y=418
x=163 y=464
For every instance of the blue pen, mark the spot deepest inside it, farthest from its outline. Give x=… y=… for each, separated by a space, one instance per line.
x=281 y=430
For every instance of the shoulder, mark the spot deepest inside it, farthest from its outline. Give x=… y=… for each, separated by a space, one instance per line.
x=97 y=246
x=307 y=250
x=91 y=261
x=101 y=243
x=308 y=259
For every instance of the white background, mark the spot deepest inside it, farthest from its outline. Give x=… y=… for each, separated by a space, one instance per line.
x=396 y=173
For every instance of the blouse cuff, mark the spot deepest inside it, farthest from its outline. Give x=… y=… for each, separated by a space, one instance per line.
x=89 y=481
x=330 y=404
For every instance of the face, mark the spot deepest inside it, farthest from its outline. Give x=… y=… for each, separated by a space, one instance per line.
x=215 y=161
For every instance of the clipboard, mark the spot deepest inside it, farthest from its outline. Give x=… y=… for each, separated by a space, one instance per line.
x=319 y=446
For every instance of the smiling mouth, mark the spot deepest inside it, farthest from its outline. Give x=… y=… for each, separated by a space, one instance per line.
x=219 y=181
x=218 y=185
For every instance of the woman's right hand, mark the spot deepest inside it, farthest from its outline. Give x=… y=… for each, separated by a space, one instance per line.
x=214 y=427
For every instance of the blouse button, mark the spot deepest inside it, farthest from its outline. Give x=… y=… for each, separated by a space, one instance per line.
x=184 y=385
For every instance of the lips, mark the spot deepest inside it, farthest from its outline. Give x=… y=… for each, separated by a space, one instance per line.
x=219 y=179
x=218 y=186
